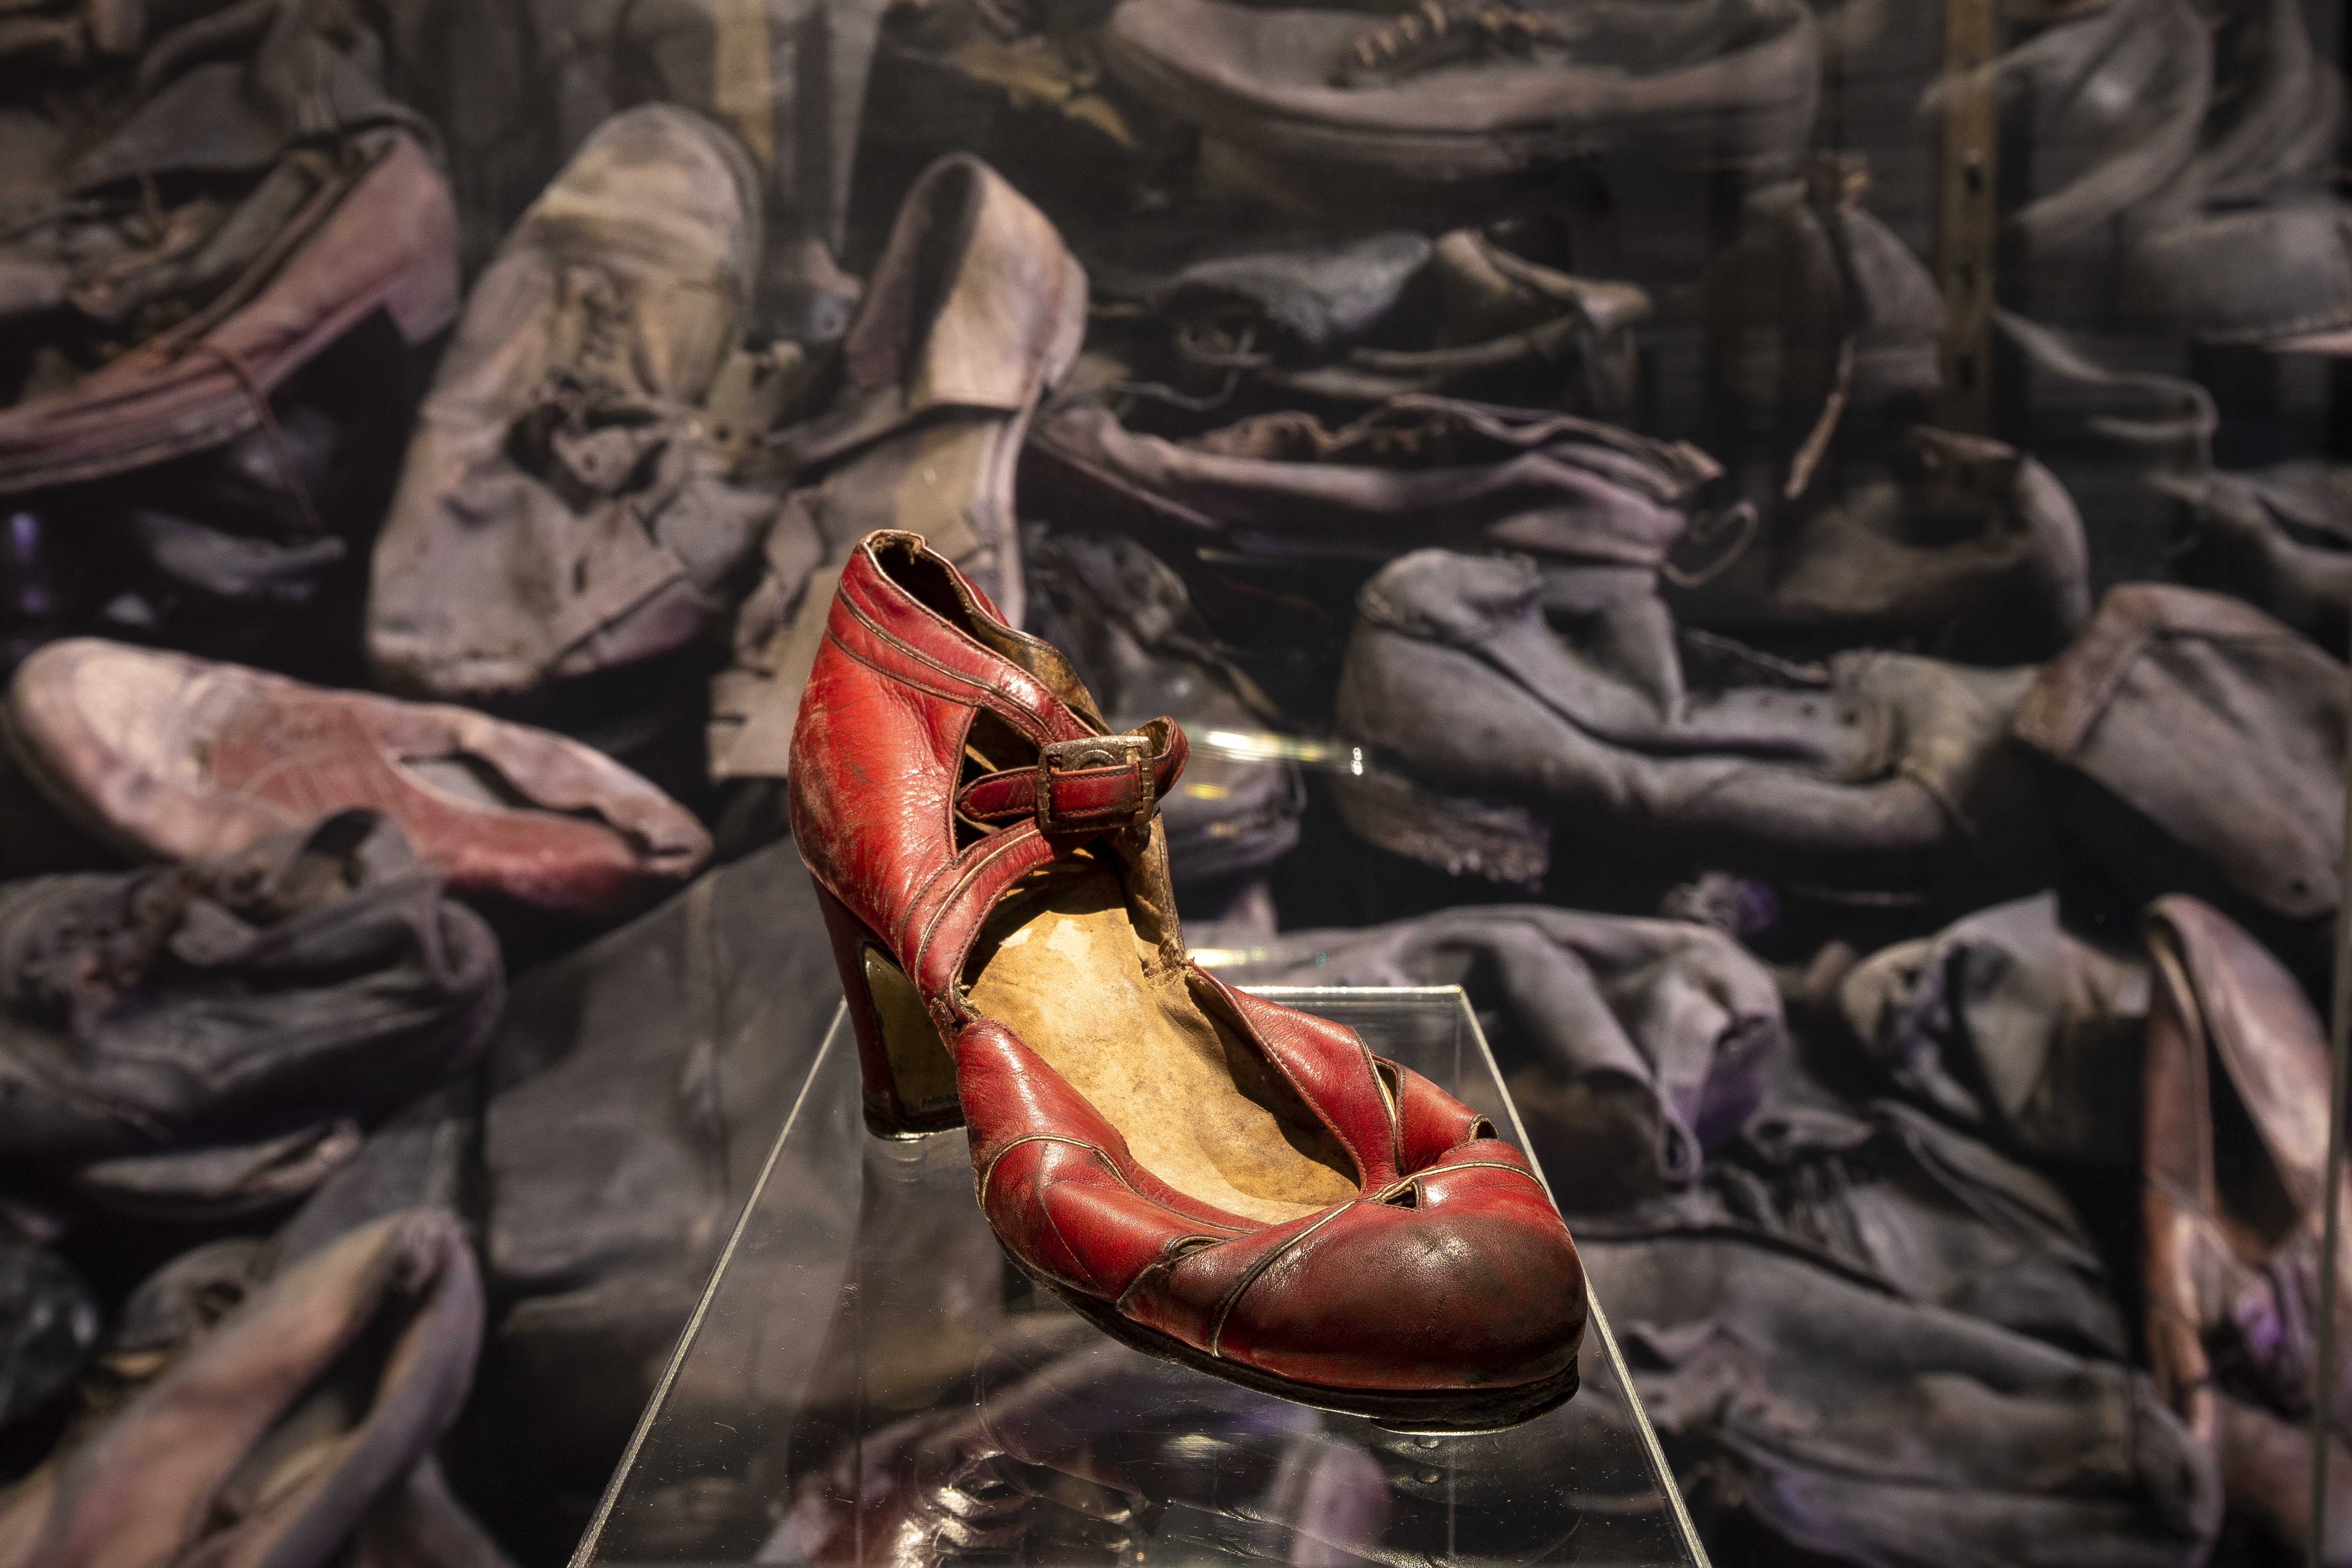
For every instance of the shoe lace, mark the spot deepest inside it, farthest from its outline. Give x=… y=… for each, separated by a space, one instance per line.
x=591 y=425
x=1436 y=33
x=91 y=952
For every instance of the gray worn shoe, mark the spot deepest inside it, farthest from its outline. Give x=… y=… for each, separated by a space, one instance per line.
x=1892 y=1197
x=973 y=312
x=207 y=1040
x=1877 y=775
x=2136 y=719
x=2009 y=1024
x=1444 y=92
x=2279 y=537
x=1813 y=1413
x=2127 y=445
x=1579 y=495
x=568 y=503
x=1963 y=544
x=1348 y=324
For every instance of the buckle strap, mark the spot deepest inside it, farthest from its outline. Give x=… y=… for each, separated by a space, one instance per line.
x=1096 y=784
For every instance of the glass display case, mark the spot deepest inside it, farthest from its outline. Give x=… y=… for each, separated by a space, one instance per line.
x=868 y=1380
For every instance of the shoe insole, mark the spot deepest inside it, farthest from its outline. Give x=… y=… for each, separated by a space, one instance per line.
x=1061 y=964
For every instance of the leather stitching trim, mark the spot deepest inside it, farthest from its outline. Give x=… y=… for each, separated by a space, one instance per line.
x=899 y=676
x=1436 y=1171
x=1020 y=716
x=1099 y=1152
x=1095 y=1149
x=1388 y=1104
x=996 y=848
x=1250 y=1276
x=1226 y=995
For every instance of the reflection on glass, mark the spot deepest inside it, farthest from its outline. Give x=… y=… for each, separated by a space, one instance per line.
x=868 y=1382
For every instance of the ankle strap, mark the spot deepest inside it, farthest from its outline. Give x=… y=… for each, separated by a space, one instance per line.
x=1096 y=784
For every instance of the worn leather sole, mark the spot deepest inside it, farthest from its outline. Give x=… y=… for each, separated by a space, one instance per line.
x=1235 y=71
x=1446 y=1411
x=1459 y=834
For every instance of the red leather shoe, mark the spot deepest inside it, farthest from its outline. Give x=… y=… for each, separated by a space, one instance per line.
x=1207 y=1176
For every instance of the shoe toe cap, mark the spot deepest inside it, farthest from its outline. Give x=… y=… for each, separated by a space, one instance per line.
x=1459 y=1293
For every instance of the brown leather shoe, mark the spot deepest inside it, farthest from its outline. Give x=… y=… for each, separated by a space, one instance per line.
x=378 y=233
x=172 y=757
x=2235 y=1142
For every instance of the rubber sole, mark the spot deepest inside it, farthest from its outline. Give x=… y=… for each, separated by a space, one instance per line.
x=1437 y=1412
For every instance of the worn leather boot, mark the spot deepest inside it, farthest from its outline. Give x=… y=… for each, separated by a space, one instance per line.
x=973 y=312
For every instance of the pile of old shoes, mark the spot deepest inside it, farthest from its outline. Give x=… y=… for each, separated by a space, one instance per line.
x=1314 y=322
x=1455 y=92
x=298 y=1426
x=1522 y=444
x=1600 y=508
x=1638 y=1045
x=223 y=241
x=2180 y=174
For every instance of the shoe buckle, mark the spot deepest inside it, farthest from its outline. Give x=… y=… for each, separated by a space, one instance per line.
x=1095 y=784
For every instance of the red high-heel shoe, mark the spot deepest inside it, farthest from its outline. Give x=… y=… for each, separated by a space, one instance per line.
x=1206 y=1176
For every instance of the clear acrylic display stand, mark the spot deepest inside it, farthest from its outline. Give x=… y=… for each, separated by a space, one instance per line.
x=867 y=1380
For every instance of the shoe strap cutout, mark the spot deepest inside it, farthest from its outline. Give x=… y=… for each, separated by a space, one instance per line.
x=1096 y=784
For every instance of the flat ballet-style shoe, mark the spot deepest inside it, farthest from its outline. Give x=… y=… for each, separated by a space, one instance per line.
x=1206 y=1176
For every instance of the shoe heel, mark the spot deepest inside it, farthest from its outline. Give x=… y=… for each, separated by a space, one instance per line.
x=909 y=1079
x=1456 y=835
